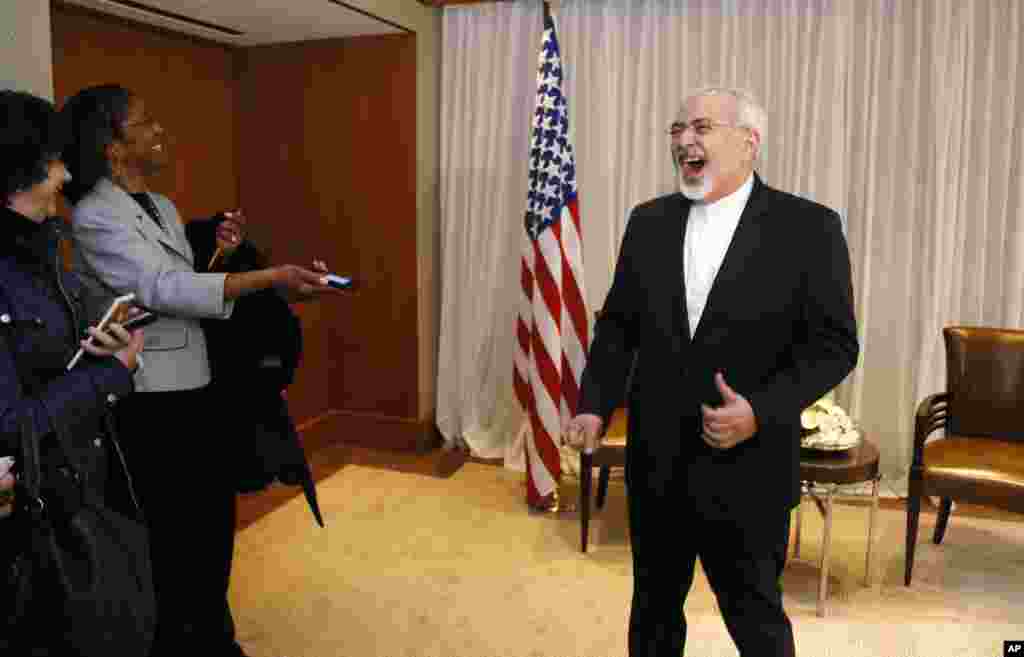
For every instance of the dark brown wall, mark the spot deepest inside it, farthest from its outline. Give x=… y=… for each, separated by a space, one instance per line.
x=327 y=168
x=317 y=143
x=188 y=86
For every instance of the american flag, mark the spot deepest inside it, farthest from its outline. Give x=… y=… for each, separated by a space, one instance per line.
x=551 y=329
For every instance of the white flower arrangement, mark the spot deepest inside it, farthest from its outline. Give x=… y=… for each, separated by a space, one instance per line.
x=827 y=426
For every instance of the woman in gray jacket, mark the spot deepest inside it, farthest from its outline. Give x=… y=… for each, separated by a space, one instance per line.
x=131 y=239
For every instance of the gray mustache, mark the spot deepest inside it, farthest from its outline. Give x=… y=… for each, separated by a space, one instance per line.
x=679 y=152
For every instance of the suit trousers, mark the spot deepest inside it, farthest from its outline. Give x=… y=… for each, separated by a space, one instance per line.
x=175 y=451
x=743 y=559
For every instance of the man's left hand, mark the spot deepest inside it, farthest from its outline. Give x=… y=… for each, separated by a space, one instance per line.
x=730 y=424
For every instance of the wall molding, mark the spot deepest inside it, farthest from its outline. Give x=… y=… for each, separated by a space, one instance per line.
x=338 y=426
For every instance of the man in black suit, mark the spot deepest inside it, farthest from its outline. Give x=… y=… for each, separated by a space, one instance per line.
x=732 y=302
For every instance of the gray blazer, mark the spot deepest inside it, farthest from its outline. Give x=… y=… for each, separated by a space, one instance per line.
x=119 y=249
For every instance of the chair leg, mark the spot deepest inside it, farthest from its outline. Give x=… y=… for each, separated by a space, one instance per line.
x=871 y=529
x=826 y=541
x=602 y=485
x=799 y=522
x=913 y=512
x=586 y=473
x=940 y=523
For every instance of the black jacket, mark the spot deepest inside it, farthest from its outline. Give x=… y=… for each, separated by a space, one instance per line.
x=779 y=324
x=41 y=322
x=253 y=357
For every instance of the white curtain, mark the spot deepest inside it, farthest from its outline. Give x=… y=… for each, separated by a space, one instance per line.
x=903 y=115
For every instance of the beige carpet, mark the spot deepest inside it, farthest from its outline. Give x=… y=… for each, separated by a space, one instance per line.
x=415 y=566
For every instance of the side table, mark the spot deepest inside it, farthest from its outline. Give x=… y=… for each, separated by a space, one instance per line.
x=821 y=473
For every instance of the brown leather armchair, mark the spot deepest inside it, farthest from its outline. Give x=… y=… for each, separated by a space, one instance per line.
x=981 y=458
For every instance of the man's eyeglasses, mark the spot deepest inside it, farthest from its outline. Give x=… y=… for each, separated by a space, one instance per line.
x=701 y=127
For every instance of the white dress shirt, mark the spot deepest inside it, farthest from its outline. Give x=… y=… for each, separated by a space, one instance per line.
x=709 y=231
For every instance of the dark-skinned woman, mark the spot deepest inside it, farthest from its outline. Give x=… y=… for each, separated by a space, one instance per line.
x=128 y=238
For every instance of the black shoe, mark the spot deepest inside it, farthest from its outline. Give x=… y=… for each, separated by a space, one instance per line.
x=234 y=651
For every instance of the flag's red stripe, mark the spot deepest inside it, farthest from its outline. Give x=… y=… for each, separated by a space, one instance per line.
x=570 y=389
x=525 y=394
x=523 y=336
x=546 y=285
x=522 y=389
x=572 y=297
x=526 y=278
x=532 y=494
x=546 y=369
x=574 y=304
x=546 y=450
x=574 y=211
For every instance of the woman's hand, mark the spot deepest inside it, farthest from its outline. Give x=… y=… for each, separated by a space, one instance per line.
x=6 y=486
x=296 y=284
x=230 y=232
x=116 y=342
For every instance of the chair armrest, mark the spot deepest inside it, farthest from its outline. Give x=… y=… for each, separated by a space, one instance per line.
x=931 y=415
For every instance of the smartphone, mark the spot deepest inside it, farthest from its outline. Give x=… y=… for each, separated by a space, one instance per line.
x=118 y=304
x=339 y=282
x=145 y=318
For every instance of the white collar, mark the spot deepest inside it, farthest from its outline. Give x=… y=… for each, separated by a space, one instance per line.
x=731 y=204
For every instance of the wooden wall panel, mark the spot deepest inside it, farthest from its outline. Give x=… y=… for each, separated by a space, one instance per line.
x=327 y=134
x=188 y=86
x=317 y=142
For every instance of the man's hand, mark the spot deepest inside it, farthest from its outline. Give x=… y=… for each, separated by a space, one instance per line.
x=731 y=423
x=583 y=432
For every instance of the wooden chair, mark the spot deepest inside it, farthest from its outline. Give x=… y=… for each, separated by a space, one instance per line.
x=981 y=458
x=611 y=453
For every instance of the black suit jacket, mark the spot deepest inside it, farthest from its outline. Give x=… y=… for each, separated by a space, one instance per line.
x=779 y=324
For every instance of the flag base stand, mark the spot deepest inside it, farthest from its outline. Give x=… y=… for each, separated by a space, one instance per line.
x=552 y=503
x=548 y=504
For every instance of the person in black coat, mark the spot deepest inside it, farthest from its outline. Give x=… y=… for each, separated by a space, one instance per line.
x=253 y=358
x=735 y=300
x=42 y=326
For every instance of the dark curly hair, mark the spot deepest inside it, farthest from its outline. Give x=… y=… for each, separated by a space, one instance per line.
x=31 y=137
x=94 y=117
